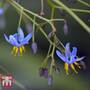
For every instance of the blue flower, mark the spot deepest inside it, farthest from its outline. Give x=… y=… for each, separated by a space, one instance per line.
x=18 y=41
x=69 y=57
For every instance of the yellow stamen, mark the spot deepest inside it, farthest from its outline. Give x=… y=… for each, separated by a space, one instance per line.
x=77 y=64
x=13 y=50
x=66 y=68
x=72 y=66
x=16 y=51
x=23 y=48
x=21 y=51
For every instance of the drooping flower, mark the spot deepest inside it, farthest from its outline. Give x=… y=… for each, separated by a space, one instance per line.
x=18 y=41
x=70 y=58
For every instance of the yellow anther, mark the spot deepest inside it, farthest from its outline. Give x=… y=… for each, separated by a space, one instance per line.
x=21 y=51
x=13 y=50
x=66 y=68
x=77 y=64
x=23 y=48
x=16 y=51
x=72 y=66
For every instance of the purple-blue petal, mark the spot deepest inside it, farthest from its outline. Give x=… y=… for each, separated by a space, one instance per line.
x=79 y=59
x=74 y=52
x=7 y=39
x=67 y=50
x=15 y=36
x=20 y=34
x=13 y=41
x=27 y=38
x=67 y=46
x=61 y=56
x=72 y=60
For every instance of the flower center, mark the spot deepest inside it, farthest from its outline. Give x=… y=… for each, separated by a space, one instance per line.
x=18 y=50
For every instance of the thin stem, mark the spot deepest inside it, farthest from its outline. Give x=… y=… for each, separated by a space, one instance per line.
x=48 y=56
x=85 y=26
x=75 y=10
x=80 y=10
x=52 y=16
x=56 y=20
x=53 y=51
x=20 y=17
x=49 y=50
x=72 y=9
x=42 y=8
x=33 y=38
x=52 y=62
x=84 y=3
x=52 y=12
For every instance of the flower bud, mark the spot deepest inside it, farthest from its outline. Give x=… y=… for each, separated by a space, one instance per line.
x=29 y=27
x=43 y=72
x=34 y=47
x=65 y=28
x=50 y=79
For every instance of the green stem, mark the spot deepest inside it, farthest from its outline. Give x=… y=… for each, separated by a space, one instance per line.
x=42 y=6
x=80 y=10
x=53 y=51
x=87 y=28
x=20 y=17
x=52 y=62
x=84 y=3
x=72 y=9
x=49 y=50
x=33 y=38
x=52 y=12
x=47 y=57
